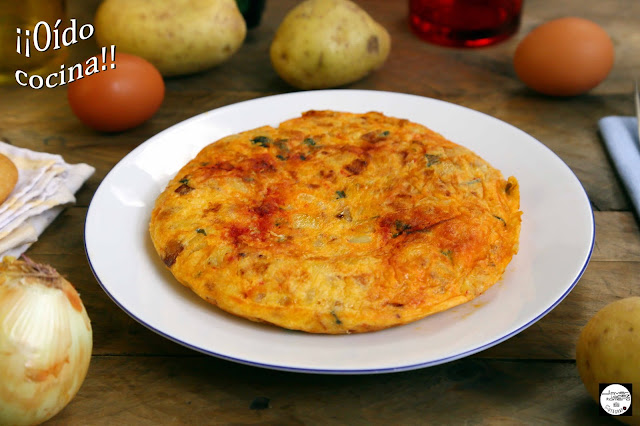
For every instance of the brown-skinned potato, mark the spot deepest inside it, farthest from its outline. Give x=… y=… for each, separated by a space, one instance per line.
x=178 y=37
x=608 y=351
x=328 y=43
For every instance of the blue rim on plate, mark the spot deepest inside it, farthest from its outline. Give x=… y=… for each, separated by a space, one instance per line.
x=135 y=202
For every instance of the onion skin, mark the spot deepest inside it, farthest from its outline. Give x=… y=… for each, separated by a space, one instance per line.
x=46 y=342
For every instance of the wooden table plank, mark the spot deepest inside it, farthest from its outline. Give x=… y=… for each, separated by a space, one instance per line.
x=617 y=237
x=189 y=390
x=138 y=377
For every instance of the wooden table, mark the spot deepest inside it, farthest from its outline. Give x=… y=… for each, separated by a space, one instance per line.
x=138 y=377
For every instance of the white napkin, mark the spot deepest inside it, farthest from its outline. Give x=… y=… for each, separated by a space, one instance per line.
x=620 y=136
x=46 y=185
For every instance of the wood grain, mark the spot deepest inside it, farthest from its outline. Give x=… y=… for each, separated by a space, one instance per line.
x=188 y=390
x=139 y=377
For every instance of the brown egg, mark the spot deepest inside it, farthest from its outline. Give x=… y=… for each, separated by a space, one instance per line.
x=564 y=57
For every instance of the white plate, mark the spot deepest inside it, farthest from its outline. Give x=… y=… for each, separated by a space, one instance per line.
x=556 y=241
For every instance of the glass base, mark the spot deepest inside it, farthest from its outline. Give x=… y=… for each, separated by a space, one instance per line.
x=464 y=23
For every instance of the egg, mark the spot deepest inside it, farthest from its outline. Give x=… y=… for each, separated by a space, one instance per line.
x=564 y=57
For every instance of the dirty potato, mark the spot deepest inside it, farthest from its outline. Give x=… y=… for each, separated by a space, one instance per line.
x=608 y=350
x=178 y=36
x=328 y=43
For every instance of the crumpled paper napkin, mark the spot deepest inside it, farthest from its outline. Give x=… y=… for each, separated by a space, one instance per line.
x=46 y=185
x=620 y=135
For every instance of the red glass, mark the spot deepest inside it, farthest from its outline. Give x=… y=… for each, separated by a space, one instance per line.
x=465 y=23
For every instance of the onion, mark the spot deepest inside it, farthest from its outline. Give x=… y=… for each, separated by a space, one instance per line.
x=360 y=239
x=45 y=342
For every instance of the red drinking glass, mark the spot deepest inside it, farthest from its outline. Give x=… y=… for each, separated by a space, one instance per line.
x=465 y=23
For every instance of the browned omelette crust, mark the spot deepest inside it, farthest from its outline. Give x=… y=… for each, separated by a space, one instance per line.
x=337 y=223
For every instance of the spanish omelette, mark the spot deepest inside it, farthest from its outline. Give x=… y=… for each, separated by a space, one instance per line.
x=337 y=222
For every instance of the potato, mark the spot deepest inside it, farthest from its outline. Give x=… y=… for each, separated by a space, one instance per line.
x=608 y=351
x=328 y=43
x=177 y=36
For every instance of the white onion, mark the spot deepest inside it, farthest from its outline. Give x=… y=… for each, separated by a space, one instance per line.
x=45 y=342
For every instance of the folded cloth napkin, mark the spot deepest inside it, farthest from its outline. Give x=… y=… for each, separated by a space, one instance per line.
x=620 y=136
x=46 y=184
